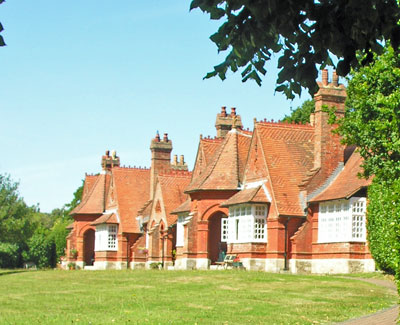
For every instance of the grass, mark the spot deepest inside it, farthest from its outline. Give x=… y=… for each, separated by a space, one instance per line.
x=183 y=297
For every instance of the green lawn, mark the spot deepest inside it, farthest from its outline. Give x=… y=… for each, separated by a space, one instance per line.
x=183 y=297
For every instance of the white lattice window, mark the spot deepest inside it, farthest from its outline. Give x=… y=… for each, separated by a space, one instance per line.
x=106 y=238
x=247 y=224
x=224 y=230
x=180 y=230
x=342 y=221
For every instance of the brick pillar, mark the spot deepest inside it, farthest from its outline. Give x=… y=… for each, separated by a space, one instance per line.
x=202 y=239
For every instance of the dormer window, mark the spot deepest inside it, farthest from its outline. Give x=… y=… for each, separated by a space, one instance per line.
x=342 y=221
x=247 y=224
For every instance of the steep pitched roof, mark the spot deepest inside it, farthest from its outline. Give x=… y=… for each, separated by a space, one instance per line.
x=248 y=195
x=225 y=169
x=184 y=207
x=108 y=218
x=346 y=182
x=172 y=187
x=132 y=186
x=288 y=155
x=93 y=201
x=207 y=148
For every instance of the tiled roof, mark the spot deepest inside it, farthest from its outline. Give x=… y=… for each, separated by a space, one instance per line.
x=94 y=201
x=207 y=148
x=225 y=169
x=184 y=207
x=288 y=154
x=109 y=218
x=346 y=183
x=249 y=195
x=172 y=187
x=90 y=180
x=145 y=210
x=132 y=186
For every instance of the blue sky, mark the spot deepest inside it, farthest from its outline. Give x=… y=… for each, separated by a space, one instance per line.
x=81 y=77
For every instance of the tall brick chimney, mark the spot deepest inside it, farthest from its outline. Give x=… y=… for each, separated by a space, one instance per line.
x=224 y=121
x=109 y=161
x=160 y=159
x=328 y=152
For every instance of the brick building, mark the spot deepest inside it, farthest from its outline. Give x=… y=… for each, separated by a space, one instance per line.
x=280 y=197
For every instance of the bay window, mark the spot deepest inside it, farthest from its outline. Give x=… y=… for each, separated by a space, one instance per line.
x=180 y=230
x=342 y=221
x=106 y=238
x=246 y=224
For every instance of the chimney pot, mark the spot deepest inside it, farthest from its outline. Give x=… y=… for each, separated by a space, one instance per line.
x=175 y=161
x=335 y=78
x=182 y=160
x=157 y=137
x=223 y=111
x=233 y=111
x=108 y=153
x=165 y=139
x=325 y=77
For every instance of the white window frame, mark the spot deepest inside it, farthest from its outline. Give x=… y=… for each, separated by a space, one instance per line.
x=106 y=238
x=224 y=229
x=247 y=223
x=342 y=221
x=180 y=230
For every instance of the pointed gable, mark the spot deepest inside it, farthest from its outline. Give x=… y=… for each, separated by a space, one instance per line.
x=281 y=153
x=346 y=182
x=225 y=169
x=132 y=190
x=172 y=187
x=93 y=201
x=206 y=150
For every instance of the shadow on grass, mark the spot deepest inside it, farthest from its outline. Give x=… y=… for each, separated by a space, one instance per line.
x=7 y=272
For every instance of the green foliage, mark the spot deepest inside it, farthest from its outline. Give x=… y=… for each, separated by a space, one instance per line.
x=304 y=33
x=42 y=249
x=16 y=223
x=301 y=114
x=372 y=123
x=384 y=224
x=8 y=255
x=59 y=235
x=372 y=120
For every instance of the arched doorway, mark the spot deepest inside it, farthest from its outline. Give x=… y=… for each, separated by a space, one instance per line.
x=88 y=247
x=217 y=225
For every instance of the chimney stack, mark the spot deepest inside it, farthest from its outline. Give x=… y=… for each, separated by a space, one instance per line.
x=108 y=162
x=160 y=159
x=224 y=122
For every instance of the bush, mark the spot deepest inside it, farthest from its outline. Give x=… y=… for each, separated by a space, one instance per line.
x=383 y=215
x=9 y=255
x=42 y=249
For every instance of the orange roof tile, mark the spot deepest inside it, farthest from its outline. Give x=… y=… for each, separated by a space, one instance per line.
x=94 y=200
x=249 y=195
x=108 y=218
x=346 y=182
x=132 y=186
x=207 y=148
x=90 y=180
x=288 y=155
x=225 y=169
x=145 y=210
x=184 y=207
x=172 y=187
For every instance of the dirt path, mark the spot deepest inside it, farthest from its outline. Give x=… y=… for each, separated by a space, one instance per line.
x=384 y=317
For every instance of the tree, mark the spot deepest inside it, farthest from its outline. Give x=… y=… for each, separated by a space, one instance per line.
x=305 y=33
x=2 y=43
x=301 y=114
x=372 y=123
x=16 y=223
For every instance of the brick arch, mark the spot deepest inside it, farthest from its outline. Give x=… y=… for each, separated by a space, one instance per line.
x=216 y=208
x=85 y=228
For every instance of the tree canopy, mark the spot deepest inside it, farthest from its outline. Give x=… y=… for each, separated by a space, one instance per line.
x=301 y=114
x=372 y=123
x=304 y=33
